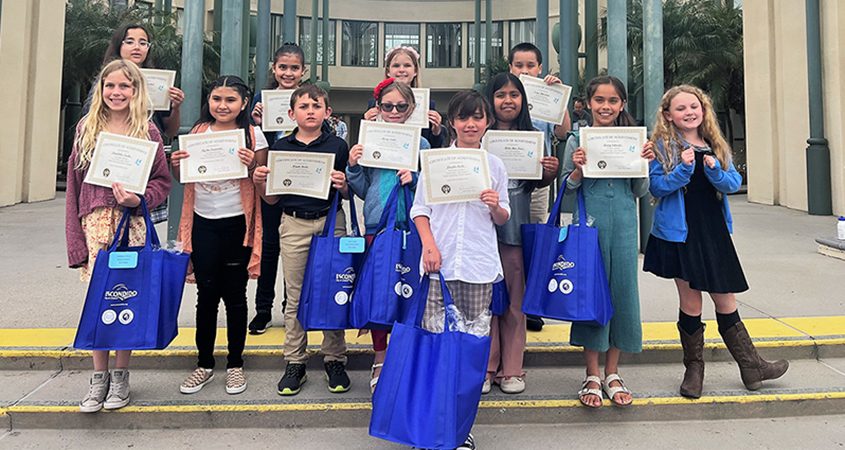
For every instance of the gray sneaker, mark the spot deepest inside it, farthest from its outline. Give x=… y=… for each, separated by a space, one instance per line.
x=99 y=387
x=119 y=391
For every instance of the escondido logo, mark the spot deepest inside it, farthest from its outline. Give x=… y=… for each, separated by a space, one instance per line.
x=562 y=264
x=348 y=276
x=402 y=269
x=120 y=293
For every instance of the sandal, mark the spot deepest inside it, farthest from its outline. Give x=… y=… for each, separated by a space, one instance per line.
x=374 y=378
x=611 y=391
x=590 y=391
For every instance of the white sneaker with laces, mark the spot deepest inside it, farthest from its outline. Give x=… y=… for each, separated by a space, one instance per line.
x=512 y=385
x=119 y=390
x=97 y=391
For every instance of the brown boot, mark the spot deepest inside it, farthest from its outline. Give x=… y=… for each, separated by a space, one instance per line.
x=693 y=345
x=753 y=369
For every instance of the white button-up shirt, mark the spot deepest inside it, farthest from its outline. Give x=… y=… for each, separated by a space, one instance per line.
x=465 y=233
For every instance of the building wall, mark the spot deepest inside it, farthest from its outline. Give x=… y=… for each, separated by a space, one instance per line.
x=777 y=119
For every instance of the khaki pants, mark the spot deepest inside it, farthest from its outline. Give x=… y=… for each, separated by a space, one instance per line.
x=540 y=205
x=295 y=239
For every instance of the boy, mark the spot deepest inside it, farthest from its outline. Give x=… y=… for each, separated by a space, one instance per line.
x=302 y=218
x=526 y=58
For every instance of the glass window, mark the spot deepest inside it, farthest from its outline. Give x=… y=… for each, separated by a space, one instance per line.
x=497 y=42
x=522 y=31
x=276 y=32
x=360 y=44
x=396 y=34
x=443 y=45
x=305 y=39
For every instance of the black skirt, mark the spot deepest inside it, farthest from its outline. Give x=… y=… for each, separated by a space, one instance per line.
x=708 y=259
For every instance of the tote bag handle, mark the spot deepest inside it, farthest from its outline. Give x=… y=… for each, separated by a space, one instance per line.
x=554 y=214
x=328 y=227
x=121 y=235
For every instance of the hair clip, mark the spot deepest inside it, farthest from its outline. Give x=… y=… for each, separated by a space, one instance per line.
x=385 y=83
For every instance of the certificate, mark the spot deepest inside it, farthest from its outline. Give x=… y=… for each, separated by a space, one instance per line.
x=212 y=156
x=521 y=151
x=419 y=117
x=159 y=83
x=547 y=102
x=121 y=159
x=614 y=152
x=276 y=105
x=308 y=174
x=454 y=175
x=389 y=145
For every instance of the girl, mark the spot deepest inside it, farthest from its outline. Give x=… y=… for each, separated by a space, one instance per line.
x=288 y=70
x=459 y=239
x=403 y=64
x=119 y=105
x=395 y=104
x=221 y=228
x=507 y=332
x=690 y=241
x=612 y=205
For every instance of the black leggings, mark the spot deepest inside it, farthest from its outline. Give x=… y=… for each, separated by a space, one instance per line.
x=220 y=267
x=271 y=219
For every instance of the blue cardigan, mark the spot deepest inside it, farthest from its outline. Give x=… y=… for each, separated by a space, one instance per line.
x=670 y=222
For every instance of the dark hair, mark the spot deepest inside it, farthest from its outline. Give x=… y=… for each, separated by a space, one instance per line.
x=234 y=82
x=465 y=104
x=523 y=120
x=288 y=48
x=116 y=41
x=525 y=47
x=313 y=92
x=625 y=119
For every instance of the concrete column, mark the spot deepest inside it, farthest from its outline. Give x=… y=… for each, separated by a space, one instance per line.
x=232 y=38
x=591 y=39
x=476 y=49
x=653 y=90
x=617 y=39
x=289 y=22
x=324 y=76
x=541 y=33
x=488 y=22
x=819 y=199
x=568 y=42
x=315 y=6
x=262 y=45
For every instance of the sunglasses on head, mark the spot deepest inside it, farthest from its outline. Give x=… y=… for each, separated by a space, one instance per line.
x=388 y=107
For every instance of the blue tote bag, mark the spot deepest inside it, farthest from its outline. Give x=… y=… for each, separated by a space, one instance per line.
x=566 y=275
x=408 y=406
x=390 y=274
x=501 y=300
x=330 y=272
x=135 y=293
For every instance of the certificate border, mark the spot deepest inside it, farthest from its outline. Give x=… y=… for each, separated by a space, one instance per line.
x=485 y=169
x=91 y=177
x=589 y=173
x=274 y=93
x=362 y=131
x=529 y=80
x=426 y=104
x=322 y=195
x=185 y=141
x=538 y=175
x=171 y=74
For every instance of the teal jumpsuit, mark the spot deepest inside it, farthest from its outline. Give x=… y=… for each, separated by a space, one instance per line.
x=612 y=206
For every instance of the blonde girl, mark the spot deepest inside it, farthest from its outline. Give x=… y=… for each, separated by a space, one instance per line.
x=119 y=105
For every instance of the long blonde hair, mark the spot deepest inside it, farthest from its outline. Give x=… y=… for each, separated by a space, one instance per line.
x=709 y=130
x=97 y=118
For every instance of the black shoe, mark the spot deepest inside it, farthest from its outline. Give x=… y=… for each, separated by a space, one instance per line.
x=468 y=444
x=337 y=377
x=260 y=323
x=293 y=379
x=534 y=323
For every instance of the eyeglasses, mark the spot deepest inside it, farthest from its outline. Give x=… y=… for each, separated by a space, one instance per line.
x=142 y=43
x=388 y=107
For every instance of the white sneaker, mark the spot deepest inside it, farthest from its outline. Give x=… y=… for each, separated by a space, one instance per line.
x=485 y=388
x=512 y=385
x=235 y=380
x=196 y=380
x=119 y=390
x=97 y=390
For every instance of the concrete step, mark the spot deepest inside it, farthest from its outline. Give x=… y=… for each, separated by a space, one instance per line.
x=44 y=399
x=790 y=338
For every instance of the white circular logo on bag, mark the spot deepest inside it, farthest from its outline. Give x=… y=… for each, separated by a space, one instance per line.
x=407 y=291
x=109 y=316
x=397 y=288
x=552 y=285
x=566 y=286
x=126 y=316
x=341 y=298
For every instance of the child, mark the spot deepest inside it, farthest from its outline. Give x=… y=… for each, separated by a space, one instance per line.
x=403 y=64
x=395 y=103
x=690 y=240
x=507 y=332
x=302 y=218
x=611 y=203
x=459 y=239
x=288 y=70
x=119 y=105
x=526 y=58
x=221 y=229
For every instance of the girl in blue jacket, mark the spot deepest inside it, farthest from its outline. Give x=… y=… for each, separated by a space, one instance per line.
x=690 y=241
